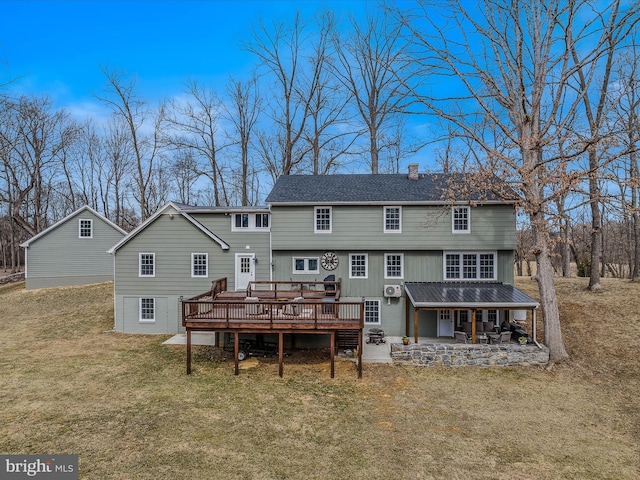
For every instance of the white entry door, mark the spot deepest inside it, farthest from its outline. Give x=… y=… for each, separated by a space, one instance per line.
x=445 y=323
x=245 y=270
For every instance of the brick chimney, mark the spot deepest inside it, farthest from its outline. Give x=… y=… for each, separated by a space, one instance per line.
x=413 y=171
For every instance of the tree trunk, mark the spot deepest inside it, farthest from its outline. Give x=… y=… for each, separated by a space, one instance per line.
x=596 y=228
x=548 y=300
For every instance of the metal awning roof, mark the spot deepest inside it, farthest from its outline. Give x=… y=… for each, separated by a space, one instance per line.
x=467 y=295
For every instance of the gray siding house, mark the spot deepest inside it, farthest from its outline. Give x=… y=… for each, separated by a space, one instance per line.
x=379 y=234
x=73 y=251
x=178 y=252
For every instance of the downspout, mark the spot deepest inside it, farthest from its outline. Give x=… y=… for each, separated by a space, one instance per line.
x=270 y=248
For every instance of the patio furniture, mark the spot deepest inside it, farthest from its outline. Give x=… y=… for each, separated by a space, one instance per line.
x=291 y=308
x=502 y=337
x=461 y=337
x=254 y=307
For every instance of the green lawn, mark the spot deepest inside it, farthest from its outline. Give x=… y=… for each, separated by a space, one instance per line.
x=124 y=404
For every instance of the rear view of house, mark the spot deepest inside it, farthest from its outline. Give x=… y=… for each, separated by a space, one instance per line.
x=73 y=251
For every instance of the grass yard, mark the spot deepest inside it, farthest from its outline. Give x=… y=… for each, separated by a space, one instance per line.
x=124 y=404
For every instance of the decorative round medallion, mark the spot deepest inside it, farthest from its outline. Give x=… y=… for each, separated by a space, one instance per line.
x=329 y=261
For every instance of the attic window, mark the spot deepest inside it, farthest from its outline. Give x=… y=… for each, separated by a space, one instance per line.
x=85 y=228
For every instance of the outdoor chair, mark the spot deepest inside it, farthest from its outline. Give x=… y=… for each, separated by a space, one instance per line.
x=461 y=337
x=291 y=308
x=253 y=307
x=503 y=337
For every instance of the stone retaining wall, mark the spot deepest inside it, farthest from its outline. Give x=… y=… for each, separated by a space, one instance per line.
x=460 y=354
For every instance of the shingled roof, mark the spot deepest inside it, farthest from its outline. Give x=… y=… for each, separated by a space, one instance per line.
x=382 y=188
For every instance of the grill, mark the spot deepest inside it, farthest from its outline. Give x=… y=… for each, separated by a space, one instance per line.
x=376 y=335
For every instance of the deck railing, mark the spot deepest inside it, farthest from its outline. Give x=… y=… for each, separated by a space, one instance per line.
x=272 y=315
x=299 y=288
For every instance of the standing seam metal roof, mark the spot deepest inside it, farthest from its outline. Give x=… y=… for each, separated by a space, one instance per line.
x=471 y=295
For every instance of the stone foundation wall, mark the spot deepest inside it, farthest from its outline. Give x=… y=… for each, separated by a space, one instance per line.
x=460 y=354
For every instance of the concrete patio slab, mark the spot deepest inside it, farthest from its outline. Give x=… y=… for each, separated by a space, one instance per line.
x=197 y=338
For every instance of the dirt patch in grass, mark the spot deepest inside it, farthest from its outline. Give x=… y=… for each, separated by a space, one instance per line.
x=125 y=405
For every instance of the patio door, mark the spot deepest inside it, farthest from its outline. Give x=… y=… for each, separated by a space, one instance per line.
x=245 y=270
x=445 y=323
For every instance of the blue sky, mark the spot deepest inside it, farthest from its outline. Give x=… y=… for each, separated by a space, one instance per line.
x=58 y=47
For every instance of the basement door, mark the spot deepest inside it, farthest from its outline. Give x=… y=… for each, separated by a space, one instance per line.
x=245 y=270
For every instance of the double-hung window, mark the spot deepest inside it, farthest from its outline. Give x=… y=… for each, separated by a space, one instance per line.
x=470 y=266
x=461 y=219
x=393 y=265
x=200 y=265
x=85 y=228
x=371 y=312
x=392 y=219
x=147 y=309
x=147 y=266
x=305 y=265
x=358 y=265
x=322 y=221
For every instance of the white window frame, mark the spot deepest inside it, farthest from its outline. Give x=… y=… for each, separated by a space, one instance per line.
x=317 y=210
x=262 y=216
x=141 y=318
x=386 y=265
x=193 y=265
x=366 y=266
x=250 y=223
x=384 y=220
x=454 y=213
x=460 y=255
x=306 y=265
x=153 y=264
x=80 y=229
x=367 y=304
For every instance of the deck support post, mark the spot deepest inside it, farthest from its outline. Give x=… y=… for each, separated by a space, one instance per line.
x=280 y=353
x=473 y=327
x=360 y=353
x=333 y=352
x=415 y=324
x=406 y=314
x=236 y=349
x=188 y=352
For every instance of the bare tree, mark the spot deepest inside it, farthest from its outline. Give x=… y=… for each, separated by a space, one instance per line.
x=280 y=52
x=243 y=111
x=194 y=126
x=33 y=140
x=117 y=167
x=138 y=118
x=626 y=104
x=593 y=83
x=330 y=131
x=512 y=63
x=373 y=67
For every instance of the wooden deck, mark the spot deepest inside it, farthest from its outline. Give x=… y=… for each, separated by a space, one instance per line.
x=277 y=310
